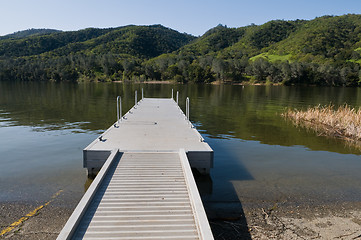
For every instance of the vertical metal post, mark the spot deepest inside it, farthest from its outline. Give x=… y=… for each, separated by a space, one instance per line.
x=135 y=98
x=177 y=97
x=187 y=108
x=172 y=93
x=119 y=109
x=142 y=94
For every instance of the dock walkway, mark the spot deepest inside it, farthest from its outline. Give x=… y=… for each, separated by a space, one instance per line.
x=145 y=188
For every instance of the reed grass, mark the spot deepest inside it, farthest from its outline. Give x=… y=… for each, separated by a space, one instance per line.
x=343 y=122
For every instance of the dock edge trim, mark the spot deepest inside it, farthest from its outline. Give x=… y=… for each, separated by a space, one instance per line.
x=196 y=201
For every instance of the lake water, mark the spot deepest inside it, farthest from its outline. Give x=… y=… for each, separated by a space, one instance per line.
x=259 y=158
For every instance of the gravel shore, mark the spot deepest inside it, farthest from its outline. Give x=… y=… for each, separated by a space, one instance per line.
x=337 y=221
x=46 y=223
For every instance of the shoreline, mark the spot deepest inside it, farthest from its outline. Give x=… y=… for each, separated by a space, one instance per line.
x=146 y=82
x=217 y=82
x=325 y=221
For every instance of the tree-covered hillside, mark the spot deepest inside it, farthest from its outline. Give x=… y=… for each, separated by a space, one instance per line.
x=39 y=44
x=89 y=54
x=323 y=51
x=326 y=39
x=29 y=32
x=138 y=41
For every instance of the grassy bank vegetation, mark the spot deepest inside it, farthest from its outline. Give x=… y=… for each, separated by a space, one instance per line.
x=343 y=122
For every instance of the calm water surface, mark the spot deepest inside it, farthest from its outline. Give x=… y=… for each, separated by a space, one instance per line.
x=259 y=158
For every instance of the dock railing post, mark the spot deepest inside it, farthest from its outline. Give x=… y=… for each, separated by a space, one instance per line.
x=172 y=93
x=135 y=98
x=187 y=108
x=142 y=94
x=177 y=97
x=119 y=109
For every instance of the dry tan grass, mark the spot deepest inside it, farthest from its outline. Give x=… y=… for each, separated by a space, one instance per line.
x=344 y=122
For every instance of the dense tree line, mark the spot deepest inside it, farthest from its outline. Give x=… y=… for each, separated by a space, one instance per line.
x=205 y=69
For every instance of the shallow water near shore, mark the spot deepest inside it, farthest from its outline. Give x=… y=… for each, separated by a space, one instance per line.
x=260 y=159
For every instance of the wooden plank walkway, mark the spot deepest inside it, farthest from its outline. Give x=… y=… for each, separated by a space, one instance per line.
x=143 y=193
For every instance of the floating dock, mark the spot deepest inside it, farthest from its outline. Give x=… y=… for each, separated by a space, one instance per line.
x=145 y=187
x=153 y=124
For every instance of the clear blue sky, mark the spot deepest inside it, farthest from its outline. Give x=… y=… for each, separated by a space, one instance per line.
x=190 y=16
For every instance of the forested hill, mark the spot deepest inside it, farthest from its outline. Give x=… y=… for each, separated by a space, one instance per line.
x=29 y=32
x=137 y=41
x=323 y=51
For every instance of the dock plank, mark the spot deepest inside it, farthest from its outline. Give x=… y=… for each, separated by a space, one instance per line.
x=153 y=212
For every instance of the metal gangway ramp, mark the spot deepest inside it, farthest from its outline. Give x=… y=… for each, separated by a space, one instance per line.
x=144 y=193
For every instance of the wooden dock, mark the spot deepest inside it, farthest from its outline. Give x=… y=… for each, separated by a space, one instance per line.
x=145 y=188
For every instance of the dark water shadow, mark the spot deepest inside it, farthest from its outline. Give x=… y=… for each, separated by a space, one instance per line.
x=223 y=207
